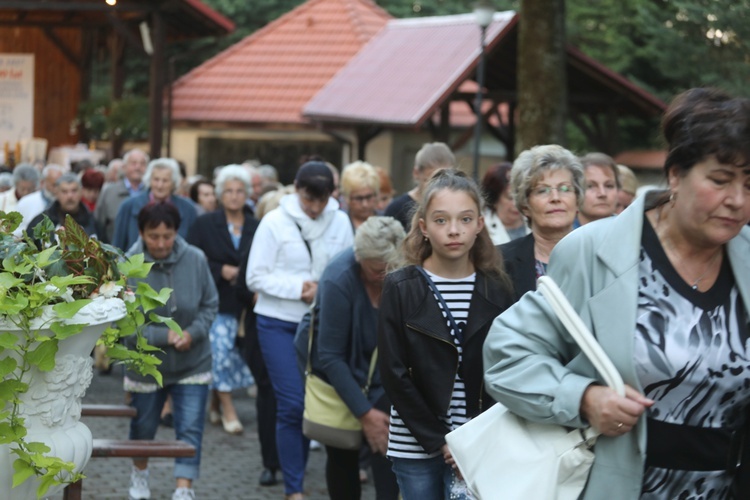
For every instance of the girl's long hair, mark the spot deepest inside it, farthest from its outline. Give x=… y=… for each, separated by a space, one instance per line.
x=483 y=254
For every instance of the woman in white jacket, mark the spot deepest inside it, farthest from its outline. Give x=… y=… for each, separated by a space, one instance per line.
x=292 y=246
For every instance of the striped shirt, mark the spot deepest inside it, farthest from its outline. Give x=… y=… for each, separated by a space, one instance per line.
x=457 y=295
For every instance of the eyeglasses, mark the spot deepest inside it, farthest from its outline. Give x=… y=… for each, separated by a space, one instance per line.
x=362 y=199
x=545 y=191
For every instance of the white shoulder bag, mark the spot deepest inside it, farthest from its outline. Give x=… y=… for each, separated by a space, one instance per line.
x=502 y=455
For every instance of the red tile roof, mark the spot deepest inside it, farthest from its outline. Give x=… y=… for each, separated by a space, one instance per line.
x=269 y=76
x=410 y=68
x=403 y=75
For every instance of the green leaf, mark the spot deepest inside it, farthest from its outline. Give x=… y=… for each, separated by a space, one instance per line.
x=37 y=447
x=7 y=365
x=43 y=357
x=172 y=324
x=44 y=258
x=23 y=471
x=63 y=331
x=7 y=280
x=8 y=340
x=45 y=482
x=67 y=310
x=134 y=266
x=9 y=388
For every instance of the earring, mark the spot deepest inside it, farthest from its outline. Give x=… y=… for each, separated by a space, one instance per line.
x=426 y=238
x=672 y=197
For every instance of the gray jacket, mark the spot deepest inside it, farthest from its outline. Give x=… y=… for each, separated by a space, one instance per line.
x=193 y=305
x=539 y=373
x=110 y=199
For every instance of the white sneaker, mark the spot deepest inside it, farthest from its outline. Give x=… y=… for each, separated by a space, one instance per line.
x=314 y=445
x=139 y=485
x=183 y=494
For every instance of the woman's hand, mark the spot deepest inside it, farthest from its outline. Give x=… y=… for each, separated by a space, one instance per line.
x=450 y=461
x=230 y=273
x=611 y=414
x=180 y=343
x=309 y=289
x=375 y=427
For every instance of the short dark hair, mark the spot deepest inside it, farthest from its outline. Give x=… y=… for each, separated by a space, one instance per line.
x=196 y=186
x=495 y=182
x=704 y=122
x=316 y=178
x=157 y=213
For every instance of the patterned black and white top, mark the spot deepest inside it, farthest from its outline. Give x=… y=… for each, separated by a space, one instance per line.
x=691 y=356
x=457 y=295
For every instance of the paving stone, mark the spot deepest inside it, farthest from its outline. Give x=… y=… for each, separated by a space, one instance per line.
x=230 y=465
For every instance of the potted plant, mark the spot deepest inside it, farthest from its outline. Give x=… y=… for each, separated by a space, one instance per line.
x=60 y=293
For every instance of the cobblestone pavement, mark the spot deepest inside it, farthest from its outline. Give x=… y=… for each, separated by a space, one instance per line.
x=230 y=465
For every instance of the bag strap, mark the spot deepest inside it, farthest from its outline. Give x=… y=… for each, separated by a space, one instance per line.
x=307 y=243
x=308 y=366
x=310 y=333
x=580 y=333
x=457 y=331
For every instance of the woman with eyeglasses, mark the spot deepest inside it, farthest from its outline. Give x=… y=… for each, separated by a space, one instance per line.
x=546 y=182
x=360 y=186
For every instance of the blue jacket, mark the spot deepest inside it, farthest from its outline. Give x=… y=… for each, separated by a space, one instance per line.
x=126 y=222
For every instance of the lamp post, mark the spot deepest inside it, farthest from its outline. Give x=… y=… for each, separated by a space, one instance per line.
x=483 y=12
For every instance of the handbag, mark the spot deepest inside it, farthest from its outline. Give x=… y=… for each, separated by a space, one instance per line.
x=326 y=418
x=501 y=454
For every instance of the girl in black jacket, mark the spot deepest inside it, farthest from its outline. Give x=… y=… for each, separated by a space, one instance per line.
x=435 y=313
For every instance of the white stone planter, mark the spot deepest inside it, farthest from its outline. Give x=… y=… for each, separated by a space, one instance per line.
x=52 y=405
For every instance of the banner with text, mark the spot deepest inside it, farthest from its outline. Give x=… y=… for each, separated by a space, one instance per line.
x=16 y=98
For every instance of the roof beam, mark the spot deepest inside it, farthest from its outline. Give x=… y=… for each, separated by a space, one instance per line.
x=122 y=29
x=60 y=44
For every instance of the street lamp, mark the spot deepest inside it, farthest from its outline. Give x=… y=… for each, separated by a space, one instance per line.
x=483 y=12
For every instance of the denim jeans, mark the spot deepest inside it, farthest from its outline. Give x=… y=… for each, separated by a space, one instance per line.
x=424 y=479
x=276 y=338
x=188 y=411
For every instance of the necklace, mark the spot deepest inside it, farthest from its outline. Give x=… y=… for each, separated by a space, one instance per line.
x=667 y=245
x=708 y=268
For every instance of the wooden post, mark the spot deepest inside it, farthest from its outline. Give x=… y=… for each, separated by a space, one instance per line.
x=117 y=72
x=158 y=62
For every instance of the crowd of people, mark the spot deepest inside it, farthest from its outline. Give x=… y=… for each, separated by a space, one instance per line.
x=436 y=289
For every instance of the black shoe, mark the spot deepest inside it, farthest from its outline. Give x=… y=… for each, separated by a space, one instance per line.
x=268 y=477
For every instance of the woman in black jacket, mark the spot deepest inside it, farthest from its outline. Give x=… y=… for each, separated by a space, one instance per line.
x=224 y=235
x=546 y=182
x=430 y=361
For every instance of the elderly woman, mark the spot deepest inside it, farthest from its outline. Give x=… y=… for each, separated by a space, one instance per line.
x=349 y=296
x=162 y=179
x=665 y=288
x=360 y=185
x=186 y=356
x=501 y=217
x=293 y=244
x=224 y=235
x=546 y=185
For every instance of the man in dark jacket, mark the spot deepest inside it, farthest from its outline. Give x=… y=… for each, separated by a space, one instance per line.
x=68 y=201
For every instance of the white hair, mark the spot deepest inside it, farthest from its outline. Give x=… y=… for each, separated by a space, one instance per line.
x=232 y=173
x=163 y=164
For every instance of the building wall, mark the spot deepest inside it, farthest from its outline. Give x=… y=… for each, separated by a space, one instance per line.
x=186 y=144
x=57 y=81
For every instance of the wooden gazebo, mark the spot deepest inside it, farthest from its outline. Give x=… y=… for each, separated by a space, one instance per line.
x=62 y=35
